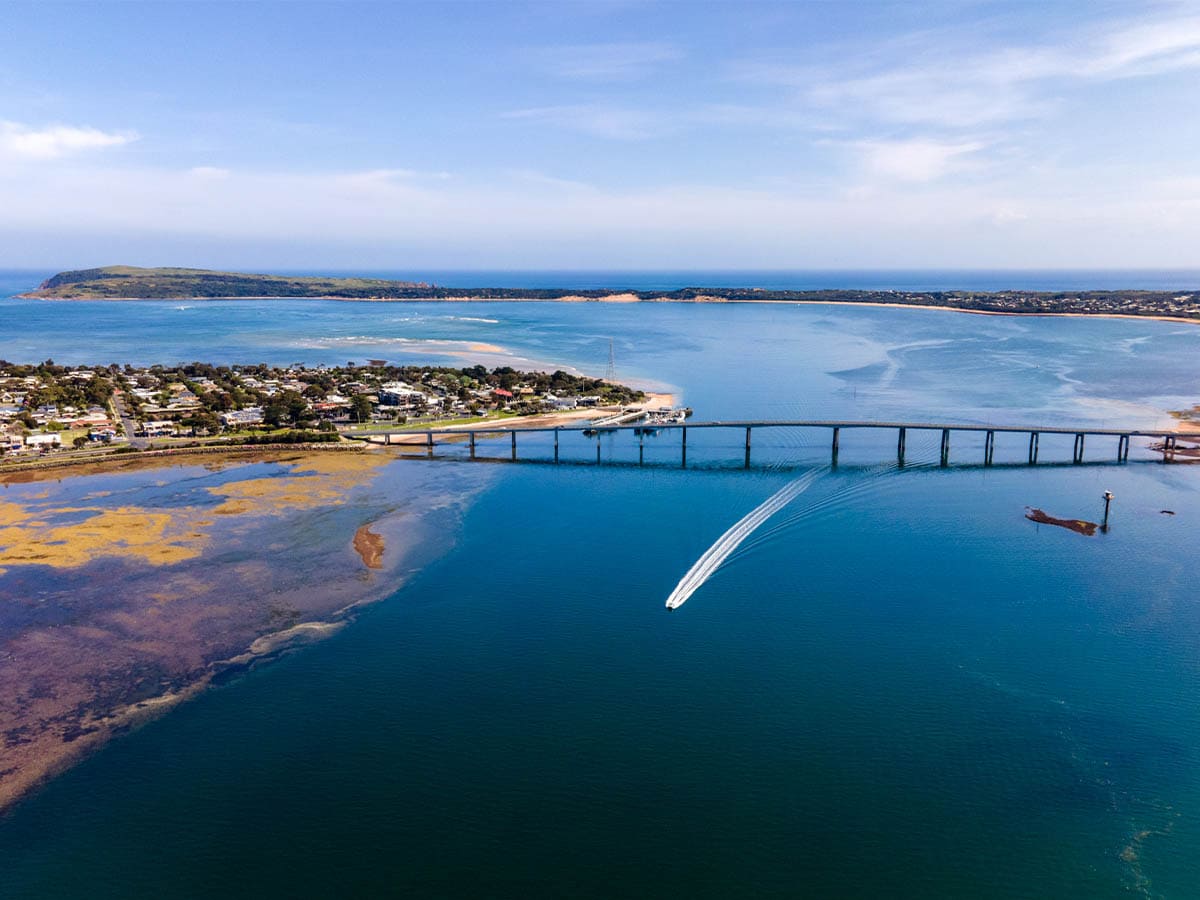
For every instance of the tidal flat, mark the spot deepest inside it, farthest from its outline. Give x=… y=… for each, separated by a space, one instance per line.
x=131 y=589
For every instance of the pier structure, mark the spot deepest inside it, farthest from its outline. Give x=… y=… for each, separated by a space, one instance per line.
x=428 y=438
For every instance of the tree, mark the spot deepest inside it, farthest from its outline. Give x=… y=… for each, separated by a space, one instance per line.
x=79 y=442
x=296 y=406
x=203 y=421
x=273 y=413
x=361 y=407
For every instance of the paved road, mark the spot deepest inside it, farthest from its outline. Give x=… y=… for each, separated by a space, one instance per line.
x=128 y=424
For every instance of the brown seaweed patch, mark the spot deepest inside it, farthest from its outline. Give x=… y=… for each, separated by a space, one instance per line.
x=369 y=547
x=1079 y=526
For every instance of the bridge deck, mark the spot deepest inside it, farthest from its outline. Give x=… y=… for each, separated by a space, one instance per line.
x=484 y=428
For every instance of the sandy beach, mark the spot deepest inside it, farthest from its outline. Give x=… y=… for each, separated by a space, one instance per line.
x=653 y=400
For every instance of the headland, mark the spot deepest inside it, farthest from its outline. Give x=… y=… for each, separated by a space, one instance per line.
x=132 y=283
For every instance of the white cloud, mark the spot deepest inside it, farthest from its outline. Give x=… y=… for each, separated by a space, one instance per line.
x=55 y=141
x=212 y=172
x=608 y=62
x=914 y=160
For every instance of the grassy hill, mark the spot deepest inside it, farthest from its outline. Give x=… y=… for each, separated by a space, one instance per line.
x=112 y=282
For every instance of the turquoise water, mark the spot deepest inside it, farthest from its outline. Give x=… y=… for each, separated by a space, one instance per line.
x=898 y=686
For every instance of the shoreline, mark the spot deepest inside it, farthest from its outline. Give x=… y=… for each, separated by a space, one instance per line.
x=628 y=298
x=387 y=566
x=61 y=462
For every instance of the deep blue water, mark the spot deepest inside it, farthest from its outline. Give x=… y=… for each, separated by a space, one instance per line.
x=898 y=687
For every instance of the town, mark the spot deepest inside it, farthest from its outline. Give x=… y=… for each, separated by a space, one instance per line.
x=48 y=408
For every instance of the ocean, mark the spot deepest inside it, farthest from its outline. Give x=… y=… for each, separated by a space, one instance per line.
x=897 y=686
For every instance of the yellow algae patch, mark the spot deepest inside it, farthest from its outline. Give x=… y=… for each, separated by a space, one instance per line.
x=338 y=463
x=12 y=514
x=267 y=495
x=30 y=537
x=153 y=537
x=319 y=481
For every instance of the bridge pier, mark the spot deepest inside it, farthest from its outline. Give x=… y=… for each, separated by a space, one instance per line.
x=556 y=445
x=472 y=445
x=747 y=446
x=1078 y=454
x=834 y=449
x=900 y=442
x=683 y=449
x=989 y=448
x=514 y=446
x=945 y=447
x=1034 y=440
x=1123 y=448
x=429 y=445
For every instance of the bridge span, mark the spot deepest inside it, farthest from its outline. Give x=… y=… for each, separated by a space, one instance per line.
x=429 y=438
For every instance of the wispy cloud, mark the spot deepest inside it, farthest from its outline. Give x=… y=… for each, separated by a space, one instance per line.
x=384 y=178
x=211 y=172
x=598 y=120
x=607 y=62
x=25 y=142
x=443 y=223
x=950 y=86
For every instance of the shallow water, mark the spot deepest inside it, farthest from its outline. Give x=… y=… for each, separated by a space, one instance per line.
x=898 y=686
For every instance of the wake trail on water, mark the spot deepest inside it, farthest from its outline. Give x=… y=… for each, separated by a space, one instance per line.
x=711 y=559
x=864 y=482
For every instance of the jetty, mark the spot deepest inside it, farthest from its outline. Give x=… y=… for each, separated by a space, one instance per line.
x=1118 y=440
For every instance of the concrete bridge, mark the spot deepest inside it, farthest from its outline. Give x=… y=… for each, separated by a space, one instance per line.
x=429 y=438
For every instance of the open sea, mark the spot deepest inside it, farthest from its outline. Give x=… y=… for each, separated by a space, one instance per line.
x=898 y=686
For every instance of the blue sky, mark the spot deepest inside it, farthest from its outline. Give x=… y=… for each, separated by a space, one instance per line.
x=600 y=135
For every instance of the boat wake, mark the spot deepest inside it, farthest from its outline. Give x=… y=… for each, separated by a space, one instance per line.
x=720 y=551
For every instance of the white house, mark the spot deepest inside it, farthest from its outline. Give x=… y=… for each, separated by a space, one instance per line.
x=43 y=441
x=251 y=415
x=158 y=429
